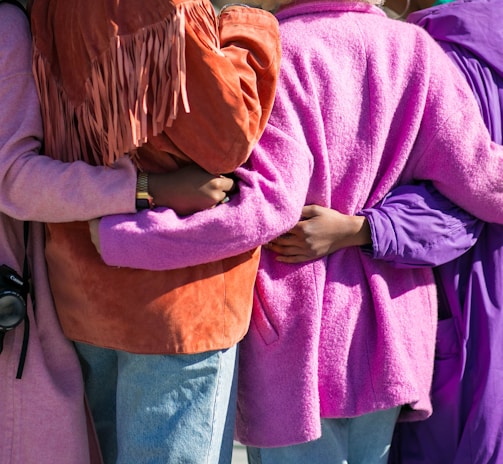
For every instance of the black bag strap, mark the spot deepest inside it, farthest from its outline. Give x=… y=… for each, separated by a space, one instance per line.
x=28 y=291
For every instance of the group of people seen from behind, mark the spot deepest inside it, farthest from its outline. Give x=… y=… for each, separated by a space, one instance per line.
x=278 y=222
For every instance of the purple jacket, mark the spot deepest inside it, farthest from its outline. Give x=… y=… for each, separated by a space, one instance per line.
x=416 y=226
x=346 y=334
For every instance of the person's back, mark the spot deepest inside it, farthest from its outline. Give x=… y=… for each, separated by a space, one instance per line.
x=465 y=425
x=168 y=84
x=43 y=418
x=35 y=385
x=357 y=94
x=115 y=96
x=362 y=104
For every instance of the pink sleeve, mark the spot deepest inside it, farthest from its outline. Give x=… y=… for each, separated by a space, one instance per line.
x=272 y=192
x=36 y=187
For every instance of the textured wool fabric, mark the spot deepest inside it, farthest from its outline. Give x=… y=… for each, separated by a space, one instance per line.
x=42 y=418
x=364 y=103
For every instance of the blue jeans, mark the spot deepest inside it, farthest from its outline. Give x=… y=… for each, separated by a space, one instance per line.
x=153 y=409
x=361 y=440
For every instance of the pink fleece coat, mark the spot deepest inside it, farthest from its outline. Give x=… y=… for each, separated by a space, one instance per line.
x=364 y=103
x=42 y=415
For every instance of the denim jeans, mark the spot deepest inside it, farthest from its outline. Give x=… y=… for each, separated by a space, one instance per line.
x=162 y=409
x=361 y=440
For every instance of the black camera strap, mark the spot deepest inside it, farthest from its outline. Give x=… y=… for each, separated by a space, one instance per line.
x=26 y=291
x=26 y=270
x=29 y=293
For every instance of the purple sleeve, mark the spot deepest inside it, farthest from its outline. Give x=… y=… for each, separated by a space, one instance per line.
x=416 y=226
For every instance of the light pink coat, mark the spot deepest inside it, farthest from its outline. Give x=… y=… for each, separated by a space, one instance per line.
x=42 y=415
x=364 y=103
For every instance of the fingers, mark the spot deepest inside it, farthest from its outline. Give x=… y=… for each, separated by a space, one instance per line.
x=287 y=251
x=294 y=237
x=283 y=250
x=224 y=187
x=225 y=183
x=283 y=240
x=294 y=259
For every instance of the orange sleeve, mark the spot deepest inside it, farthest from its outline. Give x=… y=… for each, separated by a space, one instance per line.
x=230 y=90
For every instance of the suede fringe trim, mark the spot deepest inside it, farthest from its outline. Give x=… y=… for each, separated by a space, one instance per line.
x=113 y=118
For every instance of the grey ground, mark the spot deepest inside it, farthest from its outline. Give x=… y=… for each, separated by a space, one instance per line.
x=239 y=454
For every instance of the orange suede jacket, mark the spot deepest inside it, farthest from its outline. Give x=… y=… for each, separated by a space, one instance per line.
x=171 y=86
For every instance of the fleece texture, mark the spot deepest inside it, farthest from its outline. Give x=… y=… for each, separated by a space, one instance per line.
x=364 y=103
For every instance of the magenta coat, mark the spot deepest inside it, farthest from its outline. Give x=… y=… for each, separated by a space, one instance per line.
x=364 y=103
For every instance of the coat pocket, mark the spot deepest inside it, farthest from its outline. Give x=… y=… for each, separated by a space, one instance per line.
x=265 y=326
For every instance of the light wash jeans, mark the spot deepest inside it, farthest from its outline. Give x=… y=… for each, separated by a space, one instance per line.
x=162 y=409
x=361 y=440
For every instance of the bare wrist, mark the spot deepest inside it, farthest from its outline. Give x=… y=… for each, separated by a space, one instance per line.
x=361 y=231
